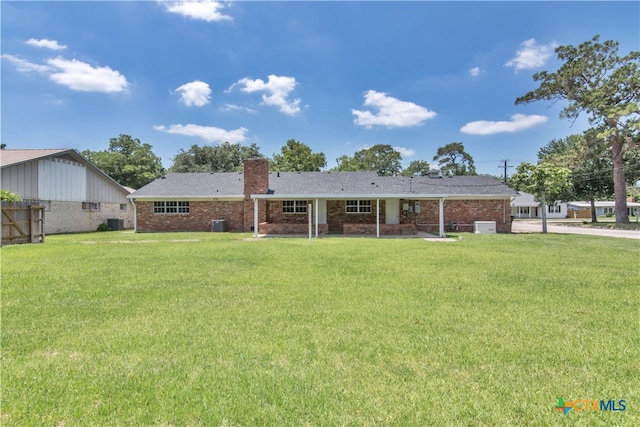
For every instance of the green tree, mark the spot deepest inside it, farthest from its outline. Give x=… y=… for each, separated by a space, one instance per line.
x=453 y=160
x=297 y=157
x=417 y=168
x=595 y=80
x=546 y=182
x=381 y=158
x=225 y=157
x=128 y=161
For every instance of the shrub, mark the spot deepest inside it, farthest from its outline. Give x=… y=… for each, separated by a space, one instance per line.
x=9 y=196
x=104 y=227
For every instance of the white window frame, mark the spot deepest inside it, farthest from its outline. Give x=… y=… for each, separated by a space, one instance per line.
x=524 y=210
x=171 y=207
x=554 y=208
x=358 y=206
x=90 y=206
x=292 y=207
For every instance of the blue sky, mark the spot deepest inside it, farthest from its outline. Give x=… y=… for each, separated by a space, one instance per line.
x=337 y=76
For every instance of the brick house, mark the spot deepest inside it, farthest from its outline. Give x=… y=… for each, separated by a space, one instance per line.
x=360 y=203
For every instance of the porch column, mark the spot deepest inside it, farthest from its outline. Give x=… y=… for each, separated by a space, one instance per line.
x=441 y=217
x=377 y=217
x=316 y=218
x=255 y=217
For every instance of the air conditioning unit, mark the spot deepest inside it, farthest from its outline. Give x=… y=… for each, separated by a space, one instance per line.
x=218 y=225
x=484 y=227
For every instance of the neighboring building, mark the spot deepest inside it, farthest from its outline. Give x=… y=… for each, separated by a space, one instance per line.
x=583 y=209
x=360 y=203
x=526 y=206
x=77 y=195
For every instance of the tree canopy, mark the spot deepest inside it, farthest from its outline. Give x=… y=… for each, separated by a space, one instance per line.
x=417 y=168
x=225 y=157
x=546 y=182
x=297 y=157
x=454 y=160
x=595 y=80
x=128 y=161
x=381 y=158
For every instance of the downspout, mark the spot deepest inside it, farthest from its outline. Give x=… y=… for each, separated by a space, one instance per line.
x=135 y=216
x=255 y=217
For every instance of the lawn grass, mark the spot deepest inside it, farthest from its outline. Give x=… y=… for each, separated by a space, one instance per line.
x=220 y=329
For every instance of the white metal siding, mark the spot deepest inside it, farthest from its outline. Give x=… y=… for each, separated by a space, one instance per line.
x=21 y=179
x=101 y=189
x=62 y=180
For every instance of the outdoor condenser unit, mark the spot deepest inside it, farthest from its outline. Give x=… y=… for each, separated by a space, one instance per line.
x=218 y=225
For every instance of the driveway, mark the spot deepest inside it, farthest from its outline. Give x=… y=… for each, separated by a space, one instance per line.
x=536 y=227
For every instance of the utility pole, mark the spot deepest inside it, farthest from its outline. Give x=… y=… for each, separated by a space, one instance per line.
x=505 y=166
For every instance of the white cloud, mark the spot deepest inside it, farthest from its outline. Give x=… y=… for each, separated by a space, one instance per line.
x=475 y=71
x=278 y=89
x=392 y=112
x=234 y=107
x=406 y=152
x=83 y=77
x=25 y=66
x=206 y=133
x=531 y=55
x=195 y=93
x=46 y=43
x=517 y=123
x=206 y=10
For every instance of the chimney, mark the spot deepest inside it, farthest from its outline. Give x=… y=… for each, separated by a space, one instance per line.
x=256 y=181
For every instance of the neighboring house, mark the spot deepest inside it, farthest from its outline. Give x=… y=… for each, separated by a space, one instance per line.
x=583 y=209
x=524 y=205
x=76 y=194
x=361 y=203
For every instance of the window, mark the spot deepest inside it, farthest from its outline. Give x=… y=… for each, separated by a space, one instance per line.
x=523 y=210
x=555 y=208
x=294 y=206
x=358 y=206
x=608 y=210
x=170 y=207
x=90 y=206
x=123 y=207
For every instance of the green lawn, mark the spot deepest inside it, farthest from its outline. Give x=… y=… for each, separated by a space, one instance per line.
x=121 y=329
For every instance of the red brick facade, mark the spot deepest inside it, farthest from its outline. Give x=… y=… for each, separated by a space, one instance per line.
x=459 y=215
x=198 y=219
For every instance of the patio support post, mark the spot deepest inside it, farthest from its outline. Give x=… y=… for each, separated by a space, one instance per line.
x=316 y=218
x=377 y=217
x=255 y=217
x=441 y=217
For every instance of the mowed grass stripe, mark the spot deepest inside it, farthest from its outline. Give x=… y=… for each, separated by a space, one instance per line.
x=220 y=329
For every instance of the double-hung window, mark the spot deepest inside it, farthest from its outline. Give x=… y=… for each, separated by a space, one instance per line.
x=358 y=206
x=555 y=208
x=173 y=207
x=294 y=206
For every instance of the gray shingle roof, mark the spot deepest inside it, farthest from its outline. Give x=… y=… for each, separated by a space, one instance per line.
x=194 y=185
x=299 y=184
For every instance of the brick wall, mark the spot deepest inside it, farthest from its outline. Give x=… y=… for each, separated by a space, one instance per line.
x=385 y=229
x=198 y=219
x=291 y=228
x=69 y=217
x=337 y=215
x=463 y=213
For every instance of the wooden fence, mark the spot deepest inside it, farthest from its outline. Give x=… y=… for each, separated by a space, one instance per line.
x=22 y=222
